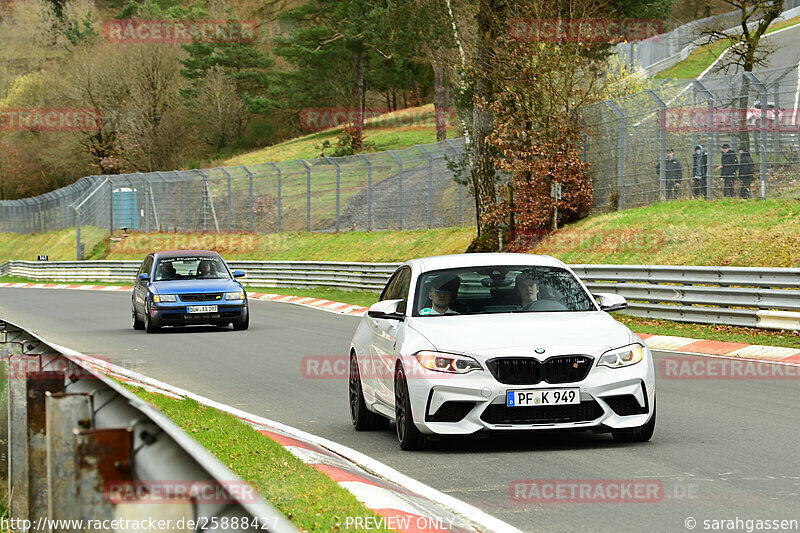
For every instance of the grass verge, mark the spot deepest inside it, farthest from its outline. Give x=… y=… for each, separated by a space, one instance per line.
x=307 y=497
x=685 y=232
x=58 y=245
x=388 y=132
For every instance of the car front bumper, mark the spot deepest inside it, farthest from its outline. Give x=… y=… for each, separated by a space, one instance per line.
x=177 y=314
x=464 y=404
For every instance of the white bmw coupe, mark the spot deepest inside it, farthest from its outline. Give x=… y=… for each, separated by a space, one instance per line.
x=466 y=343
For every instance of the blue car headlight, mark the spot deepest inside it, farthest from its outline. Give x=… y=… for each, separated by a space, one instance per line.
x=161 y=298
x=234 y=295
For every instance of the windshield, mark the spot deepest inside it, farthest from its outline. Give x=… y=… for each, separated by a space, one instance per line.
x=500 y=289
x=191 y=268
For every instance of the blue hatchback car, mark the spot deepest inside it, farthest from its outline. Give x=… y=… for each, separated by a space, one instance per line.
x=187 y=287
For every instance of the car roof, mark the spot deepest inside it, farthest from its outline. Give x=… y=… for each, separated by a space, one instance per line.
x=440 y=262
x=170 y=254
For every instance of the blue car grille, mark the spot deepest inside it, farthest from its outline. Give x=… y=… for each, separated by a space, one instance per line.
x=201 y=297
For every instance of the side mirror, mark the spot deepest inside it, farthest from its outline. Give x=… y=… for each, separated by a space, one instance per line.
x=610 y=302
x=144 y=277
x=238 y=273
x=387 y=309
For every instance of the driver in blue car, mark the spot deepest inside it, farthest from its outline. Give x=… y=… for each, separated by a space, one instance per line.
x=442 y=293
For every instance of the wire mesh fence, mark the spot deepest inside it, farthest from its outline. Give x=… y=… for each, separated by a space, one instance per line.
x=412 y=188
x=415 y=188
x=629 y=136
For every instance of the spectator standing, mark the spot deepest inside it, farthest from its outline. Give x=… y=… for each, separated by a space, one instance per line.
x=746 y=171
x=673 y=173
x=699 y=171
x=728 y=167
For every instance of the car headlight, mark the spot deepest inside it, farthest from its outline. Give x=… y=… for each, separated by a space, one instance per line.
x=625 y=356
x=447 y=362
x=160 y=298
x=234 y=295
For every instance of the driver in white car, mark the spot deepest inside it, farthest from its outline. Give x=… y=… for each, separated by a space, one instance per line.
x=527 y=289
x=442 y=293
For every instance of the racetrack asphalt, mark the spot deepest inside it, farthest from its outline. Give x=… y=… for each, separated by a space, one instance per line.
x=723 y=449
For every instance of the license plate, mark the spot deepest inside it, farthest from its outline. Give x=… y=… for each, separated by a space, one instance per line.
x=533 y=398
x=201 y=309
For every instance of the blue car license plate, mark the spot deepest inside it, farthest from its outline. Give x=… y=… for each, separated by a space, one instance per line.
x=201 y=309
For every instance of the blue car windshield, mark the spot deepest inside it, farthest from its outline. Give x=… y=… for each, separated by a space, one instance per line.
x=178 y=268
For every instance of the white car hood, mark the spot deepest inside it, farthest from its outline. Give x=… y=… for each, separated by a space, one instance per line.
x=519 y=334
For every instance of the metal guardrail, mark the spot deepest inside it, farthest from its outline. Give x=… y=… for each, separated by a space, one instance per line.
x=738 y=296
x=74 y=435
x=364 y=276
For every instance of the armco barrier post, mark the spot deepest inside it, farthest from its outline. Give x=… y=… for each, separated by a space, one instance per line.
x=64 y=413
x=102 y=456
x=18 y=477
x=38 y=385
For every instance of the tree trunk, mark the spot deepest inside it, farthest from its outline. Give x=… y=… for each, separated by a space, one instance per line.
x=439 y=100
x=359 y=96
x=483 y=170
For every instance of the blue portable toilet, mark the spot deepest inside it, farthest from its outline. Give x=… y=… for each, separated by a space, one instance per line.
x=125 y=208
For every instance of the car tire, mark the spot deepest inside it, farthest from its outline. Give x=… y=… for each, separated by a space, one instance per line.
x=362 y=418
x=244 y=322
x=149 y=327
x=408 y=435
x=137 y=324
x=641 y=434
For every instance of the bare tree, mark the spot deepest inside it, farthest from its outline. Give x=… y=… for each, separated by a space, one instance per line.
x=746 y=51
